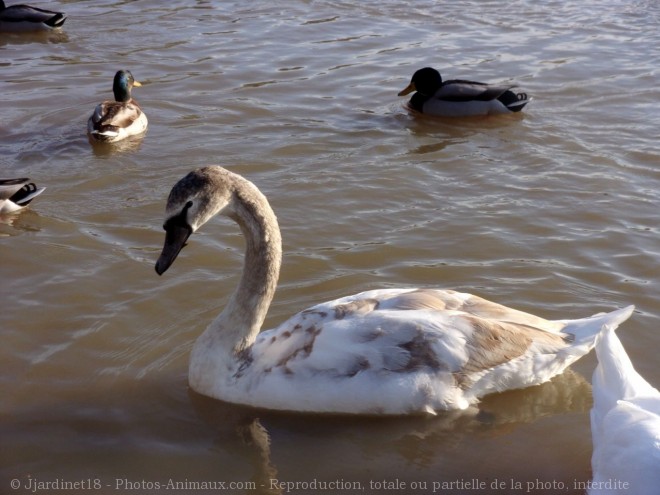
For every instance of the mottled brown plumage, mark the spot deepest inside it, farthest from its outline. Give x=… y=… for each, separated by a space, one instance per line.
x=390 y=351
x=115 y=120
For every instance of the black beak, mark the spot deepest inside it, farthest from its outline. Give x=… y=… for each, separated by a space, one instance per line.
x=175 y=239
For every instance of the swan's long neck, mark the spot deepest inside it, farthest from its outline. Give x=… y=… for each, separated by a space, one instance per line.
x=236 y=328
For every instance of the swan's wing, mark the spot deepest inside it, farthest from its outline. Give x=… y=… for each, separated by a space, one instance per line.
x=615 y=378
x=627 y=447
x=468 y=303
x=401 y=331
x=625 y=417
x=460 y=90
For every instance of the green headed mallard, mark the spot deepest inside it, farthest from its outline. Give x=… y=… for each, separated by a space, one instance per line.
x=113 y=121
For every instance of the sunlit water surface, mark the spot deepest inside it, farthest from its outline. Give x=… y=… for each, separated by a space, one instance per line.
x=553 y=211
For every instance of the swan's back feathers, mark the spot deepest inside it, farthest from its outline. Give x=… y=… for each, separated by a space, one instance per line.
x=625 y=421
x=462 y=345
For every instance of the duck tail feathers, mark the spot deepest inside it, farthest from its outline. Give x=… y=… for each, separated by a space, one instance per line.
x=27 y=193
x=104 y=134
x=514 y=101
x=56 y=21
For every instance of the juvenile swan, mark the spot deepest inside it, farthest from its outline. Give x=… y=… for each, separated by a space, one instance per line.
x=390 y=351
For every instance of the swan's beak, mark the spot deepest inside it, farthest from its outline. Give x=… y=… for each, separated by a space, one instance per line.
x=175 y=239
x=408 y=89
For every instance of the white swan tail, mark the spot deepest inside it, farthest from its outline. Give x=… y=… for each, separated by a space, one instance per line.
x=586 y=330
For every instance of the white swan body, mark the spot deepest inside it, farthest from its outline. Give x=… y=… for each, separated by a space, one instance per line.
x=391 y=351
x=625 y=424
x=16 y=194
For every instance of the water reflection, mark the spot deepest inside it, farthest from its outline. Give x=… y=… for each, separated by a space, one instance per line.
x=145 y=429
x=24 y=38
x=25 y=220
x=438 y=133
x=101 y=150
x=346 y=440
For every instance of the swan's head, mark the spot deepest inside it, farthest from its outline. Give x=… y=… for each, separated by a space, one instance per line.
x=192 y=202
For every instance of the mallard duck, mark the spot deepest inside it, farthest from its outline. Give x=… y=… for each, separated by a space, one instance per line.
x=459 y=98
x=389 y=351
x=113 y=121
x=26 y=18
x=16 y=194
x=625 y=423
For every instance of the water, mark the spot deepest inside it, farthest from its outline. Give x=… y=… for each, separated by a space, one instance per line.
x=553 y=211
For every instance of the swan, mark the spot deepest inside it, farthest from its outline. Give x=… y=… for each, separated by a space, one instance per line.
x=27 y=18
x=113 y=121
x=387 y=351
x=625 y=424
x=16 y=194
x=459 y=98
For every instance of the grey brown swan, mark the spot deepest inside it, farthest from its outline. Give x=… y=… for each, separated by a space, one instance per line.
x=389 y=351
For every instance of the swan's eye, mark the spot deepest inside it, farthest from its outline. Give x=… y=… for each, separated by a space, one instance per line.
x=180 y=219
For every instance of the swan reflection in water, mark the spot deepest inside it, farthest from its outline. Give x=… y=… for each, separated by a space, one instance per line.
x=329 y=447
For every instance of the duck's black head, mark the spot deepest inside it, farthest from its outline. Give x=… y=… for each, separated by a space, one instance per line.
x=425 y=81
